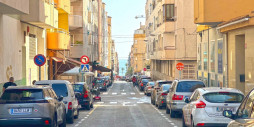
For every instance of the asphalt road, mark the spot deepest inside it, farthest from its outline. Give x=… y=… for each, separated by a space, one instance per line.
x=125 y=106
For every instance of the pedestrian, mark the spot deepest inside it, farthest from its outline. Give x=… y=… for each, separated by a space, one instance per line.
x=34 y=82
x=10 y=83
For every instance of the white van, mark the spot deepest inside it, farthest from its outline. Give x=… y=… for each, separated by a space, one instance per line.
x=65 y=89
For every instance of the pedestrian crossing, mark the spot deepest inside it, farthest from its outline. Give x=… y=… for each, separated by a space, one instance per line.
x=122 y=93
x=120 y=103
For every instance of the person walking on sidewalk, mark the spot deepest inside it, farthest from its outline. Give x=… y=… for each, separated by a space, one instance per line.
x=10 y=83
x=134 y=80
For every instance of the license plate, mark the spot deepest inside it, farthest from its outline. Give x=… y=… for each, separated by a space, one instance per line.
x=21 y=111
x=221 y=109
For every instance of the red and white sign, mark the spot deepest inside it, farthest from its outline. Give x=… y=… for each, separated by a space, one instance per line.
x=179 y=66
x=144 y=69
x=84 y=59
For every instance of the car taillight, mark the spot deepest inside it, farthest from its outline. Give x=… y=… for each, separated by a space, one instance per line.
x=201 y=124
x=104 y=84
x=86 y=94
x=162 y=102
x=200 y=104
x=46 y=122
x=142 y=84
x=163 y=94
x=93 y=84
x=149 y=87
x=70 y=105
x=177 y=97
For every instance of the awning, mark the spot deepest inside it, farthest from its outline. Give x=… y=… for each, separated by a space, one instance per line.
x=76 y=72
x=63 y=66
x=102 y=69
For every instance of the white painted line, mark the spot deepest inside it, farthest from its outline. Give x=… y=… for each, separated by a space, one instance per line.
x=162 y=114
x=123 y=93
x=100 y=102
x=139 y=102
x=175 y=126
x=169 y=121
x=80 y=122
x=132 y=93
x=76 y=125
x=172 y=123
x=141 y=93
x=82 y=119
x=113 y=102
x=85 y=117
x=105 y=93
x=114 y=93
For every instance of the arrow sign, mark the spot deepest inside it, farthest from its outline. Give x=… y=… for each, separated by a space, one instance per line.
x=84 y=59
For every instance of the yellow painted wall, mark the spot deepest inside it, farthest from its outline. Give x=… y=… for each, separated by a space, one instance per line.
x=208 y=11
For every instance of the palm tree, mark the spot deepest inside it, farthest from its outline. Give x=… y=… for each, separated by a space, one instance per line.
x=122 y=70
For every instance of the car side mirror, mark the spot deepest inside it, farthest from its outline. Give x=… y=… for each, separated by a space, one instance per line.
x=228 y=114
x=187 y=100
x=60 y=98
x=77 y=94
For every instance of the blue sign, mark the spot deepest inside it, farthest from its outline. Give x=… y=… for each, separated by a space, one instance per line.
x=84 y=68
x=39 y=60
x=220 y=56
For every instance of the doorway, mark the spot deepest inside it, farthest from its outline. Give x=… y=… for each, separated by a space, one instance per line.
x=240 y=62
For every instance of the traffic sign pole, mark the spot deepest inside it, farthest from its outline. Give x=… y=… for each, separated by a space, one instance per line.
x=39 y=73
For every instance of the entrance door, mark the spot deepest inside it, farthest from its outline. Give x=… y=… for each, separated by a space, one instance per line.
x=240 y=62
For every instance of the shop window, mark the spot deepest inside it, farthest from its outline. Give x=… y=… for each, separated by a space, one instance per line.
x=212 y=56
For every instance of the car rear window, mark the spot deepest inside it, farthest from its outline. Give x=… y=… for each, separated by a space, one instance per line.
x=99 y=81
x=167 y=82
x=145 y=80
x=78 y=88
x=189 y=86
x=60 y=89
x=22 y=94
x=166 y=87
x=151 y=83
x=223 y=97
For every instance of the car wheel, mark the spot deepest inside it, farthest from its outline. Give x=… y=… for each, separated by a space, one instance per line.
x=159 y=107
x=64 y=121
x=76 y=117
x=71 y=119
x=172 y=114
x=192 y=123
x=183 y=122
x=167 y=110
x=88 y=107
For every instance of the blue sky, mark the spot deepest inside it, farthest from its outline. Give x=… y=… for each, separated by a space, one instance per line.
x=123 y=14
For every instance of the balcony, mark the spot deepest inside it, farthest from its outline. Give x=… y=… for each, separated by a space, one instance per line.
x=42 y=14
x=18 y=7
x=63 y=6
x=75 y=21
x=58 y=39
x=165 y=27
x=213 y=12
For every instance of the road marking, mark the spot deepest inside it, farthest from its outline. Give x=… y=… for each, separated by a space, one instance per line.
x=76 y=125
x=114 y=93
x=123 y=93
x=139 y=102
x=172 y=123
x=100 y=102
x=141 y=93
x=85 y=117
x=80 y=122
x=82 y=119
x=105 y=93
x=113 y=102
x=132 y=93
x=92 y=110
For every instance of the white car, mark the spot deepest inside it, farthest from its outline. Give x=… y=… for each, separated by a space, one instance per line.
x=206 y=105
x=65 y=89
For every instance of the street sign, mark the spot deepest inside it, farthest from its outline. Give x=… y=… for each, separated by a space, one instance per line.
x=179 y=66
x=84 y=59
x=144 y=69
x=148 y=67
x=39 y=60
x=84 y=68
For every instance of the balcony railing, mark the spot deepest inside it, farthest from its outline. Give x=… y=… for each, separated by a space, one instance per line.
x=58 y=39
x=75 y=21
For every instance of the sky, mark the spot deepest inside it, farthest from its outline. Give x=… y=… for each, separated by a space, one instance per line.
x=123 y=14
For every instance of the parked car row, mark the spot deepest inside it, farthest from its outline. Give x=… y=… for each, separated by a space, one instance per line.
x=49 y=103
x=202 y=106
x=102 y=83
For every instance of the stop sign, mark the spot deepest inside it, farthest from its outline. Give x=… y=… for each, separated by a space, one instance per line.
x=179 y=66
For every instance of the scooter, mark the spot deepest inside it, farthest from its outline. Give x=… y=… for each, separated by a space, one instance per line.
x=97 y=93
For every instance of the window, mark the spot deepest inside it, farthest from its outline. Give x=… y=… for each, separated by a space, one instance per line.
x=22 y=94
x=78 y=88
x=60 y=89
x=212 y=56
x=168 y=12
x=223 y=97
x=245 y=108
x=189 y=86
x=205 y=56
x=195 y=96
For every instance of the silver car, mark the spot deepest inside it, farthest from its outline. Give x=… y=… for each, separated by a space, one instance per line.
x=31 y=106
x=149 y=88
x=162 y=95
x=180 y=90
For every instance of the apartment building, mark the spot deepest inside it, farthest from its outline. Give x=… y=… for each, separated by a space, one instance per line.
x=171 y=38
x=225 y=46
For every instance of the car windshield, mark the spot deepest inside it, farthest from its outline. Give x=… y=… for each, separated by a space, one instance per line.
x=223 y=97
x=145 y=80
x=60 y=89
x=22 y=94
x=78 y=88
x=151 y=83
x=99 y=81
x=189 y=86
x=166 y=87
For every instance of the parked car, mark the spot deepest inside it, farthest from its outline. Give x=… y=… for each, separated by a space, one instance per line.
x=148 y=89
x=65 y=89
x=143 y=83
x=83 y=94
x=157 y=86
x=160 y=101
x=31 y=106
x=141 y=77
x=100 y=83
x=109 y=80
x=206 y=105
x=244 y=115
x=179 y=90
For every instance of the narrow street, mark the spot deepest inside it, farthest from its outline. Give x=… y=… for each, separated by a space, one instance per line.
x=124 y=106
